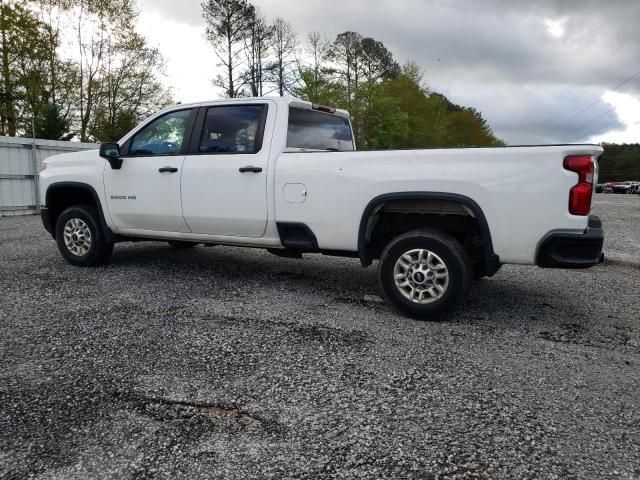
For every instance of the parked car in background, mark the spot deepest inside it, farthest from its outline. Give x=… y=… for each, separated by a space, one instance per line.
x=625 y=187
x=619 y=187
x=600 y=188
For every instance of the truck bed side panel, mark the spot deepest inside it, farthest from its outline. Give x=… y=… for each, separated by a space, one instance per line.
x=522 y=191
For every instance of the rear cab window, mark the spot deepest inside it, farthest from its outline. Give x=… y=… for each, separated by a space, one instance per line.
x=316 y=130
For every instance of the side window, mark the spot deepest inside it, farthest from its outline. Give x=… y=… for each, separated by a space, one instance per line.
x=232 y=129
x=163 y=136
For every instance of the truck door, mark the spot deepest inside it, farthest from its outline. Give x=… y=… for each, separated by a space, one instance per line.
x=145 y=193
x=224 y=178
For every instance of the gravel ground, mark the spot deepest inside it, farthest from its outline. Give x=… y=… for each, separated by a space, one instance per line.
x=229 y=363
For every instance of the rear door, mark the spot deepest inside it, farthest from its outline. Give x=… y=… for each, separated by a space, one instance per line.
x=224 y=178
x=145 y=193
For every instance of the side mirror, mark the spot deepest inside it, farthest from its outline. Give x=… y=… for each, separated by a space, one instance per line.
x=111 y=153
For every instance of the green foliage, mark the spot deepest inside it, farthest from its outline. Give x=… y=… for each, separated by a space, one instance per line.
x=317 y=87
x=377 y=62
x=466 y=127
x=111 y=127
x=130 y=91
x=620 y=163
x=112 y=84
x=21 y=66
x=119 y=74
x=387 y=124
x=431 y=119
x=51 y=123
x=425 y=113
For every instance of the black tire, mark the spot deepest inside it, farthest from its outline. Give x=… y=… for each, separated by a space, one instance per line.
x=448 y=252
x=98 y=252
x=182 y=245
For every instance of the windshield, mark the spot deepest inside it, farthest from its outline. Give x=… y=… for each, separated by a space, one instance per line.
x=318 y=131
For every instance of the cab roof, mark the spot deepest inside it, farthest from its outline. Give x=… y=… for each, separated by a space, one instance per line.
x=286 y=101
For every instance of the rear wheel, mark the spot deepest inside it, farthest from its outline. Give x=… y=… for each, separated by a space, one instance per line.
x=80 y=238
x=425 y=273
x=181 y=245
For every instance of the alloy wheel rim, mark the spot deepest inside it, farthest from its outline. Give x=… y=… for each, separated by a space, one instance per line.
x=421 y=276
x=77 y=237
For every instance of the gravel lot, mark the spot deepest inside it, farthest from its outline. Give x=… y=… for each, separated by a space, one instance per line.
x=229 y=363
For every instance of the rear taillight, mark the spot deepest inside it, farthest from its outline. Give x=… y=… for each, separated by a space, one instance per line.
x=580 y=195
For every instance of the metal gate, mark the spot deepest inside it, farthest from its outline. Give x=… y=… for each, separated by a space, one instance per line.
x=20 y=162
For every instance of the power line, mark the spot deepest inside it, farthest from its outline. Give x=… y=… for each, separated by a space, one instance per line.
x=627 y=81
x=575 y=115
x=617 y=87
x=602 y=128
x=580 y=127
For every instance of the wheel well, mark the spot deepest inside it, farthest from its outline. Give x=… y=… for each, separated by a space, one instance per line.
x=393 y=217
x=60 y=198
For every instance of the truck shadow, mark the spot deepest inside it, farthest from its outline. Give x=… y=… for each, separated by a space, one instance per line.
x=329 y=275
x=544 y=312
x=500 y=302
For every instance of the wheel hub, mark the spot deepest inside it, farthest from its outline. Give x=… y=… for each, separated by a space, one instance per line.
x=421 y=276
x=77 y=236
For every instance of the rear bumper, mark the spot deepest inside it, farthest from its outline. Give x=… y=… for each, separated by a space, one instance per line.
x=568 y=250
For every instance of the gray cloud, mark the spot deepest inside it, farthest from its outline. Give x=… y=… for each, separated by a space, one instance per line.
x=495 y=55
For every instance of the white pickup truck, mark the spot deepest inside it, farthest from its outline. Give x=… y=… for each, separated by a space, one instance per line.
x=284 y=175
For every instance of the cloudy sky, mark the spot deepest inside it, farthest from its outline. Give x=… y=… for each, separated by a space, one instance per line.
x=540 y=71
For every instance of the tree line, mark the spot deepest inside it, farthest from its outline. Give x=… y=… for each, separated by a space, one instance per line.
x=391 y=106
x=76 y=69
x=619 y=162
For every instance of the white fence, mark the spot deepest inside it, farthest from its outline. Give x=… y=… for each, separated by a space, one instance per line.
x=20 y=162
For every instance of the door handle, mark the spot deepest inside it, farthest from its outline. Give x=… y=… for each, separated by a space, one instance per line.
x=168 y=170
x=250 y=169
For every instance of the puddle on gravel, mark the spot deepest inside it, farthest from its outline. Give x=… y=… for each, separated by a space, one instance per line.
x=569 y=333
x=329 y=335
x=226 y=417
x=369 y=301
x=575 y=333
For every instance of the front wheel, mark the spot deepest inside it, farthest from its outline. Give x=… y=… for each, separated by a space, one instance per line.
x=80 y=237
x=425 y=273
